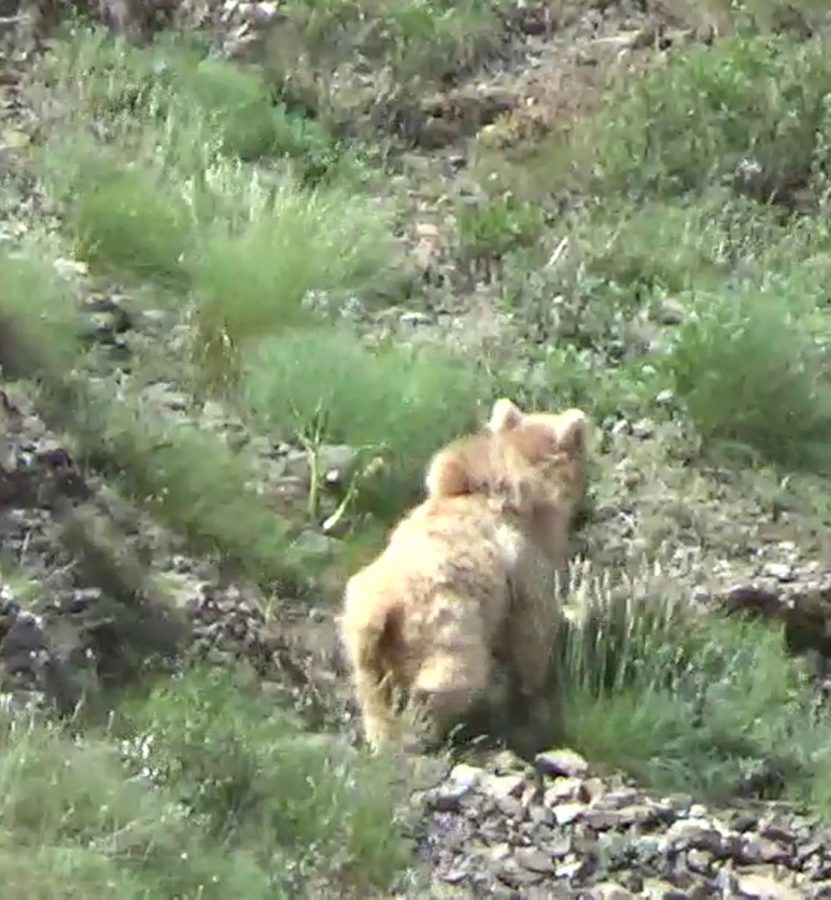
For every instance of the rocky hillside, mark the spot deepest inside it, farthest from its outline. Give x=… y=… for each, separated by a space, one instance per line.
x=259 y=260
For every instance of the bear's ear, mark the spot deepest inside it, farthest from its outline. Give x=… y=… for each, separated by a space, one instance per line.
x=448 y=475
x=572 y=431
x=505 y=416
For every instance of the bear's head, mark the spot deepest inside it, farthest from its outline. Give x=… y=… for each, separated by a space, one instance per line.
x=535 y=464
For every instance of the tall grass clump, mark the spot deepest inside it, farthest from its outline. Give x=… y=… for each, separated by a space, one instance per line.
x=701 y=114
x=194 y=481
x=295 y=244
x=675 y=698
x=307 y=804
x=755 y=374
x=400 y=405
x=73 y=824
x=125 y=218
x=39 y=316
x=190 y=101
x=198 y=787
x=198 y=485
x=420 y=42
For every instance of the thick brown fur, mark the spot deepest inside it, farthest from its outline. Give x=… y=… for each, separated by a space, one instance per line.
x=467 y=578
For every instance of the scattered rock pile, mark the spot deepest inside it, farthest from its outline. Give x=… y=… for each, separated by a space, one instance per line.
x=556 y=830
x=90 y=588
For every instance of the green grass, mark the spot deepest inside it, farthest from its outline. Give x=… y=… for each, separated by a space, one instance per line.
x=329 y=243
x=199 y=788
x=248 y=770
x=677 y=701
x=125 y=219
x=197 y=103
x=499 y=225
x=419 y=43
x=38 y=316
x=193 y=480
x=401 y=405
x=169 y=191
x=754 y=373
x=695 y=118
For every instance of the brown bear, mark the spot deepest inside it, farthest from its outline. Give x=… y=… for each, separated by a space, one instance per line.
x=467 y=578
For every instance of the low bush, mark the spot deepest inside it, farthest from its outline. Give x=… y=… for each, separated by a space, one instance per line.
x=401 y=405
x=675 y=698
x=755 y=375
x=259 y=781
x=756 y=101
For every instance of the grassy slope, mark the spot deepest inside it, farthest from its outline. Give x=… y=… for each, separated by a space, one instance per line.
x=194 y=176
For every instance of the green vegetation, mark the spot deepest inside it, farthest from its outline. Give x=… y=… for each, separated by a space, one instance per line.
x=753 y=373
x=667 y=271
x=677 y=700
x=192 y=479
x=696 y=118
x=392 y=403
x=200 y=788
x=416 y=45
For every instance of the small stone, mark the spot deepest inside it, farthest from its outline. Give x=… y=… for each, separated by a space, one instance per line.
x=297 y=465
x=501 y=786
x=568 y=812
x=571 y=869
x=499 y=852
x=540 y=815
x=561 y=762
x=70 y=266
x=511 y=808
x=640 y=814
x=456 y=874
x=643 y=428
x=658 y=888
x=700 y=594
x=620 y=798
x=534 y=859
x=780 y=571
x=339 y=459
x=414 y=319
x=756 y=849
x=592 y=789
x=603 y=819
x=670 y=312
x=689 y=833
x=516 y=876
x=563 y=789
x=313 y=543
x=762 y=886
x=463 y=779
x=699 y=861
x=608 y=890
x=506 y=762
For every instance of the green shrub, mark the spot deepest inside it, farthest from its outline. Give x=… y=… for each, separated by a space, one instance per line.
x=125 y=218
x=501 y=224
x=39 y=317
x=246 y=767
x=424 y=40
x=301 y=242
x=403 y=405
x=699 y=115
x=675 y=699
x=432 y=38
x=189 y=100
x=72 y=824
x=754 y=374
x=192 y=479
